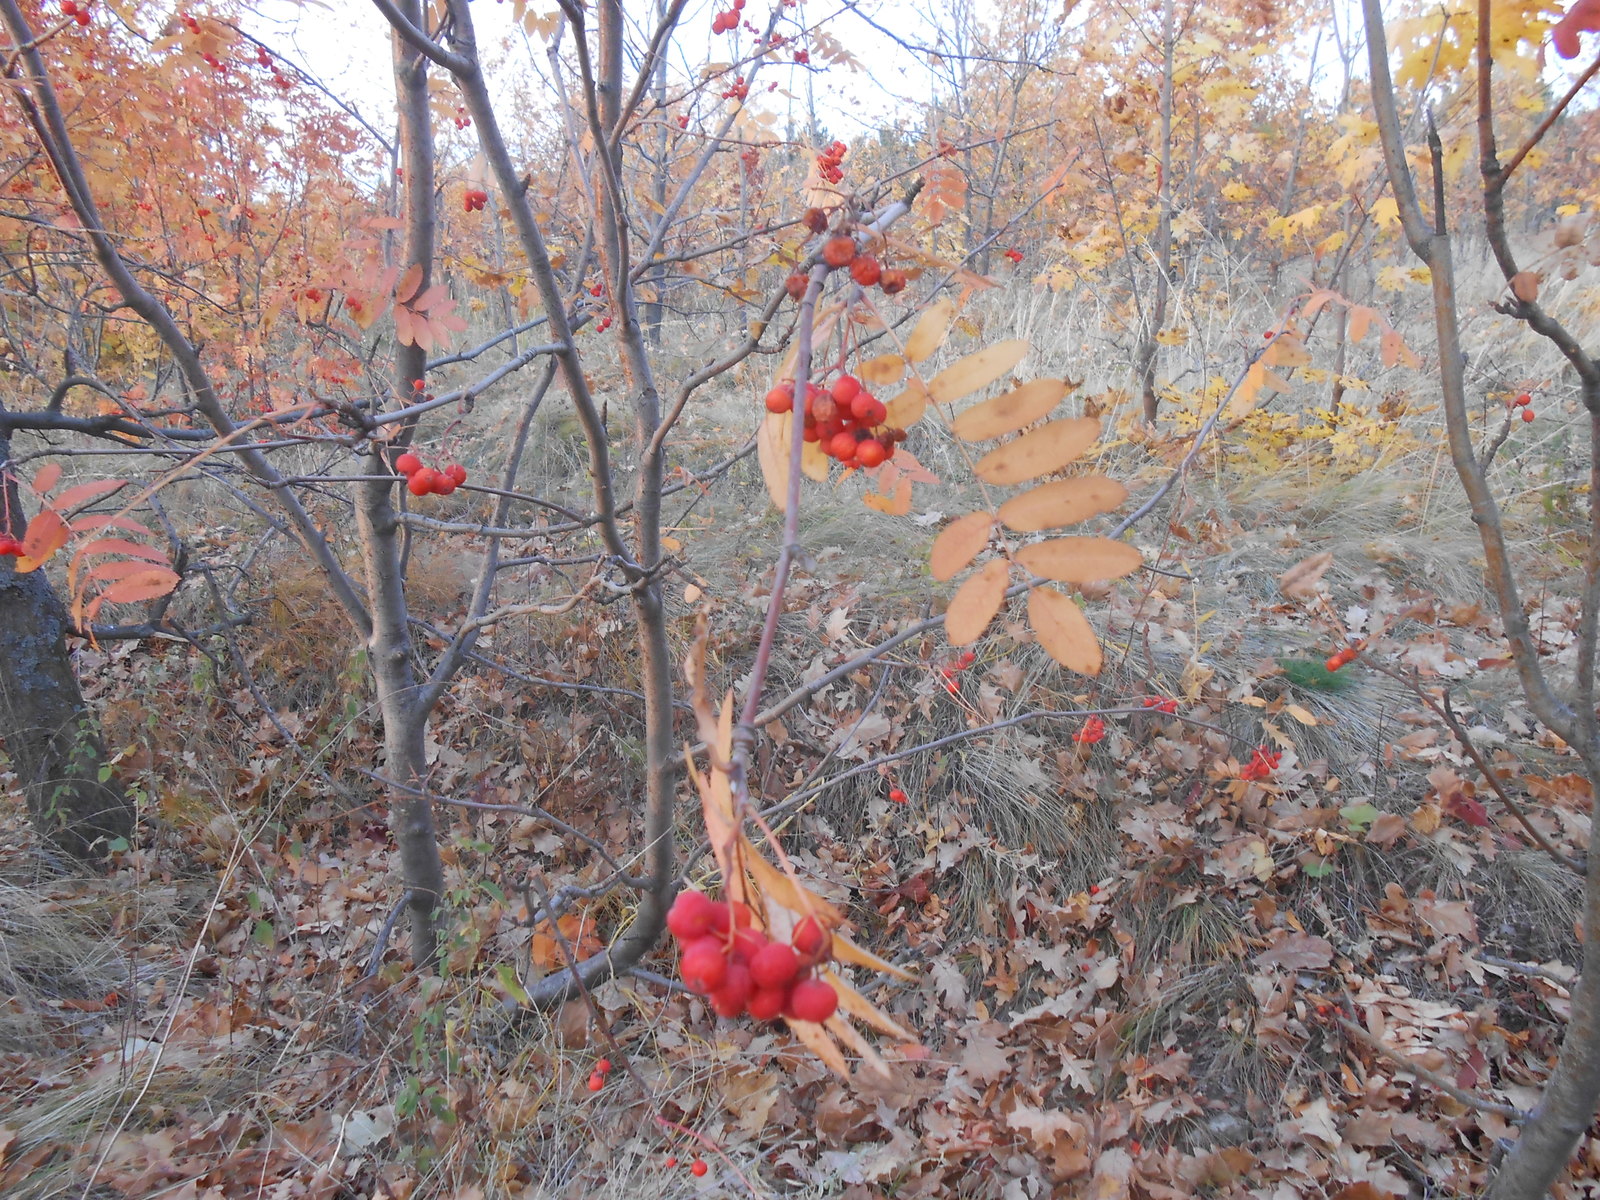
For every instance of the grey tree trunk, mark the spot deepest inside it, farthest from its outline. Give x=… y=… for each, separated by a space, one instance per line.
x=49 y=734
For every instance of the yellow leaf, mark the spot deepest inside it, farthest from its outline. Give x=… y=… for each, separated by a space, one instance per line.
x=1386 y=212
x=958 y=544
x=976 y=370
x=1011 y=411
x=772 y=453
x=1300 y=714
x=1287 y=351
x=906 y=409
x=1063 y=502
x=975 y=603
x=930 y=330
x=1173 y=337
x=1048 y=448
x=1080 y=559
x=1064 y=631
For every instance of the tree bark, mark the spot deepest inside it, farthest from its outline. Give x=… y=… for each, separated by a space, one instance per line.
x=49 y=733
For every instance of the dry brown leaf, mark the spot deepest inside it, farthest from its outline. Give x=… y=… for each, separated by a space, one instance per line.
x=958 y=544
x=1525 y=286
x=881 y=371
x=1300 y=581
x=930 y=330
x=844 y=950
x=1080 y=559
x=1062 y=502
x=975 y=603
x=1011 y=411
x=1046 y=449
x=1064 y=631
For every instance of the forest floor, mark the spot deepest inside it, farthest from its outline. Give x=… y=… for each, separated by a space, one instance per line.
x=1284 y=941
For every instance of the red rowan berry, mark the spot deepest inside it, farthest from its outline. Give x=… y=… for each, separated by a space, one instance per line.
x=892 y=281
x=698 y=1168
x=839 y=251
x=407 y=463
x=812 y=1000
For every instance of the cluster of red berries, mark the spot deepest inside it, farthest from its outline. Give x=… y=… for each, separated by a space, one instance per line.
x=697 y=1166
x=10 y=546
x=828 y=161
x=840 y=251
x=742 y=970
x=1165 y=704
x=737 y=90
x=462 y=119
x=1522 y=402
x=726 y=22
x=78 y=12
x=802 y=57
x=948 y=672
x=846 y=420
x=474 y=199
x=602 y=325
x=1262 y=764
x=1014 y=255
x=425 y=481
x=1345 y=657
x=1094 y=729
x=597 y=1080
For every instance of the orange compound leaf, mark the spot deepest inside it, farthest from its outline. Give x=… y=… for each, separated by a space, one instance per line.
x=1064 y=631
x=959 y=543
x=1080 y=559
x=975 y=603
x=1048 y=448
x=45 y=535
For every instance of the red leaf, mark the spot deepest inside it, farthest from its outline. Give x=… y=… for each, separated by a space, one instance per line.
x=1584 y=16
x=82 y=493
x=46 y=478
x=1467 y=810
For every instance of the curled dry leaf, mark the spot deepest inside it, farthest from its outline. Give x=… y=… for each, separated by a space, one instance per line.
x=1080 y=559
x=1046 y=449
x=1064 y=631
x=1011 y=411
x=1300 y=581
x=1525 y=286
x=958 y=544
x=975 y=603
x=1063 y=502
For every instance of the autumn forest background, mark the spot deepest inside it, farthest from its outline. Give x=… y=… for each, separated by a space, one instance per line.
x=1174 y=703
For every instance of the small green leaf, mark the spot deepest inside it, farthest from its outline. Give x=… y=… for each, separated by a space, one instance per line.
x=1317 y=868
x=1359 y=816
x=264 y=934
x=507 y=975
